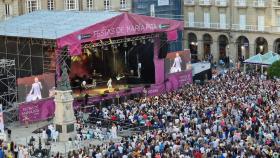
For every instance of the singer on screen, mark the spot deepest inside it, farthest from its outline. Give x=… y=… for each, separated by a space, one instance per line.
x=35 y=91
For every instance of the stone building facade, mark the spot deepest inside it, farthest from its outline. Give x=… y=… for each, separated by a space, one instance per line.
x=234 y=28
x=12 y=8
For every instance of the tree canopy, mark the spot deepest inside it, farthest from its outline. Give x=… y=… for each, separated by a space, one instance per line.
x=274 y=70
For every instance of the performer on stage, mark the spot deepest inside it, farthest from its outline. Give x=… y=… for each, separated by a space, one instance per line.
x=83 y=86
x=36 y=89
x=176 y=67
x=139 y=69
x=109 y=84
x=93 y=83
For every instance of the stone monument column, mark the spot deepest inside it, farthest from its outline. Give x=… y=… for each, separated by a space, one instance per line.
x=64 y=118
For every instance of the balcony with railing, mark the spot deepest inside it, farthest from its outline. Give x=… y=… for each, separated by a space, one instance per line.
x=253 y=28
x=203 y=25
x=260 y=4
x=275 y=29
x=205 y=2
x=189 y=2
x=234 y=27
x=240 y=3
x=221 y=3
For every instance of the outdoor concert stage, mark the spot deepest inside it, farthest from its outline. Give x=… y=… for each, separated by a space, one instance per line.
x=43 y=109
x=105 y=45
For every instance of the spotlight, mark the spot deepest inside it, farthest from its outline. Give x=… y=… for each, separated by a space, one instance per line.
x=105 y=48
x=134 y=43
x=144 y=41
x=95 y=50
x=114 y=47
x=87 y=52
x=125 y=44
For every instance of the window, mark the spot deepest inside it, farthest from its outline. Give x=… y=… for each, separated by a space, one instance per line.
x=140 y=4
x=8 y=10
x=71 y=5
x=278 y=23
x=242 y=2
x=261 y=3
x=206 y=20
x=50 y=4
x=222 y=20
x=90 y=5
x=107 y=4
x=32 y=5
x=261 y=23
x=123 y=4
x=152 y=10
x=278 y=20
x=242 y=22
x=191 y=19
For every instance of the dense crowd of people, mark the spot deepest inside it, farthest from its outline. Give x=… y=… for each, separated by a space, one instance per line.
x=13 y=150
x=233 y=115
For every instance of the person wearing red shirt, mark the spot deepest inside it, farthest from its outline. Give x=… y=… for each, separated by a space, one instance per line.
x=114 y=118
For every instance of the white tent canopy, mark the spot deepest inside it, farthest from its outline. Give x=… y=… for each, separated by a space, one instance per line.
x=266 y=59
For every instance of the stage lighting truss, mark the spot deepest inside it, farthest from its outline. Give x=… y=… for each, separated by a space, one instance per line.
x=124 y=41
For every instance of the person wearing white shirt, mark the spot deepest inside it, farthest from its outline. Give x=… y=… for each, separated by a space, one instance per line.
x=109 y=84
x=114 y=131
x=120 y=148
x=149 y=154
x=139 y=70
x=98 y=155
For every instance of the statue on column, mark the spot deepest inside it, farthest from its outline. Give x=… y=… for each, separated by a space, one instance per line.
x=64 y=83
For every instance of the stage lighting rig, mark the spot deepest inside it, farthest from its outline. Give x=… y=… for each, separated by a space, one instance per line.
x=123 y=41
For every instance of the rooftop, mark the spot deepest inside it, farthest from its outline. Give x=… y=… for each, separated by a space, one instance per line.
x=52 y=24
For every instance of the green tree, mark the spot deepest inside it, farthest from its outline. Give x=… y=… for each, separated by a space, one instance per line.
x=274 y=70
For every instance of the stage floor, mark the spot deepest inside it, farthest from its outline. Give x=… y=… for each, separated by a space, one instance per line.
x=101 y=89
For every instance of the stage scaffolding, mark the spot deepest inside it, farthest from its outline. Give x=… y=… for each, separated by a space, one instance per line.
x=8 y=95
x=32 y=56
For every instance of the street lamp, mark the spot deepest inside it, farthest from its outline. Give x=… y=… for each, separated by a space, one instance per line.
x=40 y=152
x=48 y=148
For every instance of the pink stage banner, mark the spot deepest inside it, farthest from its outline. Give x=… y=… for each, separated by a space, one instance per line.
x=156 y=90
x=172 y=35
x=179 y=79
x=126 y=24
x=36 y=111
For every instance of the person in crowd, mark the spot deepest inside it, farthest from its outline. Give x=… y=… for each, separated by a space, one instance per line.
x=114 y=131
